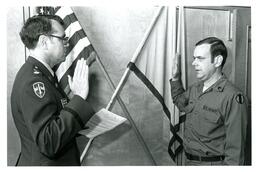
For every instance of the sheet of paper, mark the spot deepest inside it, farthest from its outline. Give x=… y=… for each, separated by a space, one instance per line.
x=102 y=122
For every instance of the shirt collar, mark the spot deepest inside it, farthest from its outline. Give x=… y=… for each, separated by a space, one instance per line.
x=217 y=86
x=220 y=84
x=46 y=65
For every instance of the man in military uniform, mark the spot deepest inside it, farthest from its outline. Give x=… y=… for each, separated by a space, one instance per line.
x=216 y=111
x=47 y=121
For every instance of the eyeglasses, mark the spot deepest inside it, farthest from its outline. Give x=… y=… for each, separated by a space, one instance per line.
x=63 y=38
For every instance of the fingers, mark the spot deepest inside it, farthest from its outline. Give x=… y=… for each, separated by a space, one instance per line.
x=69 y=80
x=86 y=71
x=81 y=69
x=80 y=83
x=176 y=67
x=78 y=64
x=83 y=65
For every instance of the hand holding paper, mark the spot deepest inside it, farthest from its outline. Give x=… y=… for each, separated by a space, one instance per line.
x=102 y=122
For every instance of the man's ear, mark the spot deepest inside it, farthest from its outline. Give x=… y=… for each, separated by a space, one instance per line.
x=218 y=61
x=42 y=41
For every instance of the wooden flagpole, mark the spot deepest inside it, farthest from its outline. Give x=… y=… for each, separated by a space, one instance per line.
x=181 y=51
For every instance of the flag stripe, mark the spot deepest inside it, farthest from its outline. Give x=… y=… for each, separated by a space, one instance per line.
x=64 y=11
x=75 y=39
x=71 y=57
x=73 y=28
x=71 y=18
x=85 y=53
x=68 y=19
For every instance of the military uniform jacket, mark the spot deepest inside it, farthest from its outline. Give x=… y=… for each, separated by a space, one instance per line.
x=46 y=120
x=216 y=120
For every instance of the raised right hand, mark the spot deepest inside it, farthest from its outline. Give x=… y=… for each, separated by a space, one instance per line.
x=176 y=67
x=79 y=85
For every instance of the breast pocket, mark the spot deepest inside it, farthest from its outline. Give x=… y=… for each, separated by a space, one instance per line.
x=208 y=122
x=211 y=117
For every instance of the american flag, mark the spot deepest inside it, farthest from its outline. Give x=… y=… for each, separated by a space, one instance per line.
x=79 y=46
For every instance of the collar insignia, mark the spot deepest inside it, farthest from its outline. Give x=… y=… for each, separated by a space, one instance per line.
x=36 y=71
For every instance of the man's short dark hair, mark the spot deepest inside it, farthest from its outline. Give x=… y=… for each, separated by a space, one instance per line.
x=36 y=26
x=217 y=48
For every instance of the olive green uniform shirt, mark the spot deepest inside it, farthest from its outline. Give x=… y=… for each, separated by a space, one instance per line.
x=216 y=120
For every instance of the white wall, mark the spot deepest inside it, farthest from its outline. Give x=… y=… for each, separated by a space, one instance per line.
x=15 y=58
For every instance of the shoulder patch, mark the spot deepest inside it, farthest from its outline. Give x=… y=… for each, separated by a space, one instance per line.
x=240 y=98
x=39 y=89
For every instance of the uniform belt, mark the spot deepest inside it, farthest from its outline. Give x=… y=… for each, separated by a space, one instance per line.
x=204 y=158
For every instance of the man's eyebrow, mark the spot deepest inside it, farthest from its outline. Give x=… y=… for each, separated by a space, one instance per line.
x=199 y=57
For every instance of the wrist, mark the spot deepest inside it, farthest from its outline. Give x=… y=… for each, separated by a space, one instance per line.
x=81 y=96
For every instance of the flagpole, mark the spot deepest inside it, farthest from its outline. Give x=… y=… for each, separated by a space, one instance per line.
x=183 y=67
x=134 y=58
x=178 y=55
x=86 y=149
x=181 y=51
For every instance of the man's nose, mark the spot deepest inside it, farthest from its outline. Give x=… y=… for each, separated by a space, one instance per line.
x=194 y=62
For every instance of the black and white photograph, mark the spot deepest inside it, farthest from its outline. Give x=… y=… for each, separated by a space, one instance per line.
x=138 y=85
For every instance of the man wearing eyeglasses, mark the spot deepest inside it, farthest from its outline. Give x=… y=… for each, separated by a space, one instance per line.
x=47 y=121
x=216 y=111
